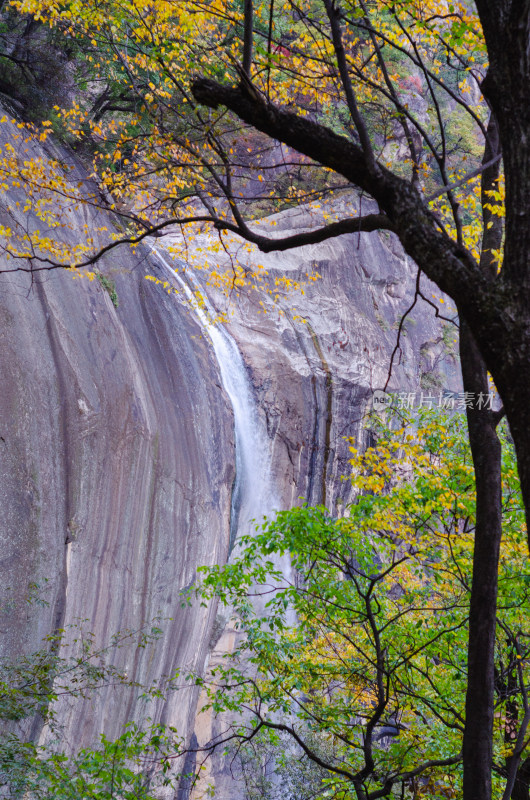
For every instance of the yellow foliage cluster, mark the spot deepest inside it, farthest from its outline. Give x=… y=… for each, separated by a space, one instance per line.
x=160 y=158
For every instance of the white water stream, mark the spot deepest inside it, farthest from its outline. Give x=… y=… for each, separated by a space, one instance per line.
x=253 y=495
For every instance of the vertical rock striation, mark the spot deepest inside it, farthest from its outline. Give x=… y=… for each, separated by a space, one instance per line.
x=116 y=470
x=316 y=358
x=117 y=454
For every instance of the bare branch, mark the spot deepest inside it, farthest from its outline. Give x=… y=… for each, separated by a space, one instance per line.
x=400 y=329
x=334 y=21
x=465 y=179
x=365 y=224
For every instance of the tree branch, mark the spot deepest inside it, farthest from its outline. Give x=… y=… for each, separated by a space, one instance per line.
x=473 y=174
x=365 y=224
x=248 y=35
x=334 y=21
x=451 y=266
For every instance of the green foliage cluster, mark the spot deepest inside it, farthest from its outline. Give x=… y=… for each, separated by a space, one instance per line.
x=359 y=655
x=109 y=286
x=121 y=769
x=130 y=767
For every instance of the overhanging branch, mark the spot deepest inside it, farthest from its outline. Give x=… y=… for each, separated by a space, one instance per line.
x=267 y=244
x=442 y=259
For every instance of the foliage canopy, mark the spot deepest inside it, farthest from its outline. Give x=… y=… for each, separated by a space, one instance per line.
x=359 y=655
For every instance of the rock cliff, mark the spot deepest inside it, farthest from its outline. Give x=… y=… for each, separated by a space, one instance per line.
x=316 y=358
x=117 y=453
x=116 y=471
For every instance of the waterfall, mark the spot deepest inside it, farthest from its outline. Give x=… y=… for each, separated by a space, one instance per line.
x=253 y=495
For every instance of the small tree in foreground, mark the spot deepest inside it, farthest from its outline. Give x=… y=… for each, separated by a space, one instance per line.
x=131 y=767
x=352 y=680
x=360 y=657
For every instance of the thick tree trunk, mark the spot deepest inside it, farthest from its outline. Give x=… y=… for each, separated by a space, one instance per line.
x=506 y=345
x=486 y=451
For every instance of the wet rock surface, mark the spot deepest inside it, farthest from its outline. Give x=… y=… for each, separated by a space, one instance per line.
x=316 y=358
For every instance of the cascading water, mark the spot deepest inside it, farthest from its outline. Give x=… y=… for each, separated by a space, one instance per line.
x=253 y=495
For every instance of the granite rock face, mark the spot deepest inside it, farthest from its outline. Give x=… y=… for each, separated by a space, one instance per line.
x=116 y=471
x=117 y=457
x=316 y=358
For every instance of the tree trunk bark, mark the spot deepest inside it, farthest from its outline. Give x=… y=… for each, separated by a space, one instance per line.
x=486 y=452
